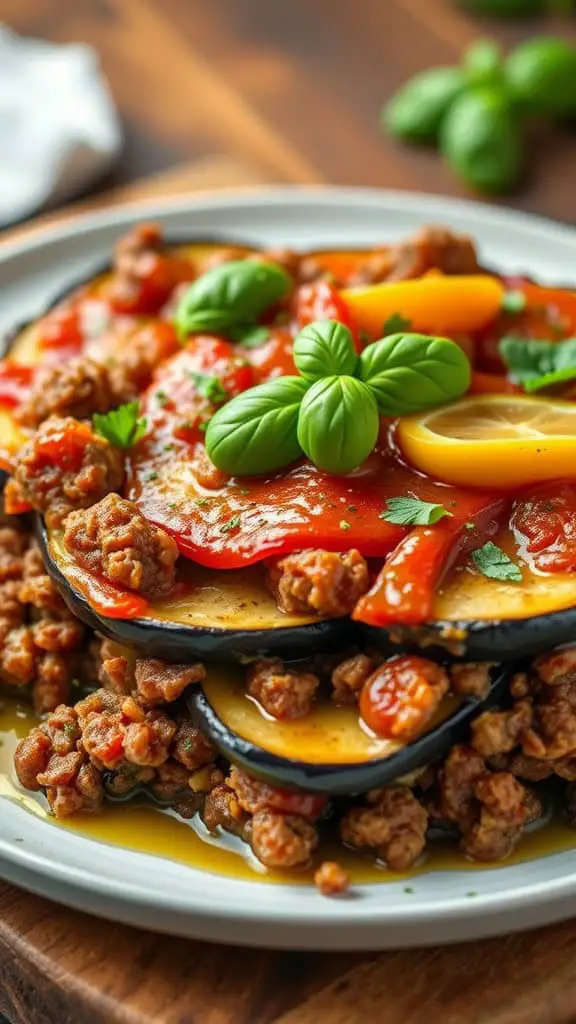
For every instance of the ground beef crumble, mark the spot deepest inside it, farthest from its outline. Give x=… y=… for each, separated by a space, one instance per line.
x=113 y=539
x=285 y=693
x=316 y=582
x=78 y=388
x=65 y=466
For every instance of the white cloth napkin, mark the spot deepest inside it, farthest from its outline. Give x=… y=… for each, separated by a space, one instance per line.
x=59 y=130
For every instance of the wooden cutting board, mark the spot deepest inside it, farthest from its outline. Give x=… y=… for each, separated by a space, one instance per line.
x=58 y=966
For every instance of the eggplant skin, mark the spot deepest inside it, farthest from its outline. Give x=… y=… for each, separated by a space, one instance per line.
x=174 y=642
x=340 y=779
x=479 y=640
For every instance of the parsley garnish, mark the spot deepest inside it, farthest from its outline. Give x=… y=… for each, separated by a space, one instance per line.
x=210 y=387
x=162 y=398
x=513 y=302
x=412 y=512
x=202 y=502
x=122 y=427
x=495 y=563
x=469 y=526
x=151 y=475
x=539 y=364
x=232 y=524
x=249 y=335
x=344 y=525
x=395 y=324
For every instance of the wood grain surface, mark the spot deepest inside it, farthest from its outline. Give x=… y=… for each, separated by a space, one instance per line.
x=218 y=93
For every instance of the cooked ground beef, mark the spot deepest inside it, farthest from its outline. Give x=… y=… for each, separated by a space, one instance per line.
x=78 y=388
x=190 y=747
x=431 y=248
x=282 y=840
x=331 y=879
x=498 y=732
x=349 y=677
x=395 y=826
x=284 y=693
x=557 y=667
x=456 y=780
x=40 y=642
x=64 y=467
x=113 y=539
x=222 y=810
x=505 y=806
x=131 y=366
x=255 y=795
x=471 y=679
x=159 y=683
x=319 y=582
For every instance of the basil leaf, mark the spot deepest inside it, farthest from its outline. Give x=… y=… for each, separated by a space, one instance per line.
x=256 y=432
x=410 y=372
x=122 y=427
x=236 y=292
x=249 y=335
x=495 y=563
x=324 y=348
x=413 y=512
x=338 y=424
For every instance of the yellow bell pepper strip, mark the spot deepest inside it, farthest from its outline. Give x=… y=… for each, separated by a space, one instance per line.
x=433 y=304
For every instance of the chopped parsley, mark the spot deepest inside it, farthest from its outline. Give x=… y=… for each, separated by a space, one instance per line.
x=344 y=524
x=539 y=364
x=232 y=524
x=412 y=512
x=210 y=387
x=469 y=526
x=162 y=398
x=202 y=502
x=151 y=475
x=495 y=563
x=249 y=335
x=122 y=427
x=395 y=324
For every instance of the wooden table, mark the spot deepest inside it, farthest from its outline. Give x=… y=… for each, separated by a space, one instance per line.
x=239 y=92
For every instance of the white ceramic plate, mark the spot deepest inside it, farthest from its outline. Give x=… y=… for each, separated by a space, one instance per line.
x=164 y=895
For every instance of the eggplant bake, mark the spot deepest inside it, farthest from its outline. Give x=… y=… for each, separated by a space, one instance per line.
x=289 y=546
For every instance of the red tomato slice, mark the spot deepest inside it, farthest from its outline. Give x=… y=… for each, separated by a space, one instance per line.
x=545 y=526
x=321 y=301
x=273 y=358
x=15 y=382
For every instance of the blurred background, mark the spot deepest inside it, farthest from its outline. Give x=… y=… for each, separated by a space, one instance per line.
x=213 y=93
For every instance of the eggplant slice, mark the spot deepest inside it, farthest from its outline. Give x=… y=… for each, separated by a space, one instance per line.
x=228 y=616
x=355 y=760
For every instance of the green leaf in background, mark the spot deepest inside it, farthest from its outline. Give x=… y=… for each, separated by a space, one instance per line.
x=324 y=348
x=338 y=424
x=416 y=111
x=411 y=372
x=395 y=324
x=481 y=140
x=483 y=63
x=504 y=8
x=541 y=75
x=256 y=432
x=495 y=563
x=236 y=292
x=122 y=427
x=413 y=512
x=539 y=364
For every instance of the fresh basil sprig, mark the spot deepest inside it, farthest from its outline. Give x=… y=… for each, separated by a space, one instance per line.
x=257 y=431
x=411 y=372
x=331 y=412
x=324 y=348
x=236 y=292
x=338 y=423
x=539 y=364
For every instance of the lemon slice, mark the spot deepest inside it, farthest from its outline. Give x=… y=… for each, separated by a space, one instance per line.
x=500 y=441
